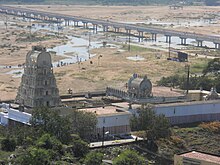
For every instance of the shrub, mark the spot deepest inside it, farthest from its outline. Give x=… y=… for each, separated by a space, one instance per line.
x=8 y=144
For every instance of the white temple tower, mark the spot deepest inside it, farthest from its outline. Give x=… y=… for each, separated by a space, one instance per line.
x=38 y=85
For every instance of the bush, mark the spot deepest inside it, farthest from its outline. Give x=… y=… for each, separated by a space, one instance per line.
x=79 y=148
x=156 y=126
x=129 y=157
x=211 y=127
x=8 y=144
x=93 y=158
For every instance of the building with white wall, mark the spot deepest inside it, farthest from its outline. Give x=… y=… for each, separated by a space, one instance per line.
x=182 y=113
x=114 y=120
x=10 y=116
x=190 y=112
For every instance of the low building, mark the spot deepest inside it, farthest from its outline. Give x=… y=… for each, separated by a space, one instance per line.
x=111 y=119
x=190 y=112
x=10 y=116
x=182 y=113
x=196 y=158
x=200 y=95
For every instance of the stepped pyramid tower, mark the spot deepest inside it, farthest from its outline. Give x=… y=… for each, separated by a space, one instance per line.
x=38 y=85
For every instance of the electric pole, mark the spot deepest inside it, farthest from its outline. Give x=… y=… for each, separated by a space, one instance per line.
x=187 y=82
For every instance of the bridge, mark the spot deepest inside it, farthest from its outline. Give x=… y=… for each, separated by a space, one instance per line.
x=106 y=24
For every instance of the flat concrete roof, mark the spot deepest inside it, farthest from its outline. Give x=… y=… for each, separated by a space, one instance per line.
x=202 y=156
x=166 y=92
x=125 y=105
x=108 y=110
x=188 y=103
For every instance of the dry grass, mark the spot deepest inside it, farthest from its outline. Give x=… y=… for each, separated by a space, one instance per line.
x=211 y=127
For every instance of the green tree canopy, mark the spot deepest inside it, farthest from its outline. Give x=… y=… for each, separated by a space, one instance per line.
x=93 y=158
x=49 y=121
x=129 y=157
x=212 y=67
x=83 y=123
x=49 y=142
x=8 y=144
x=34 y=156
x=156 y=126
x=78 y=148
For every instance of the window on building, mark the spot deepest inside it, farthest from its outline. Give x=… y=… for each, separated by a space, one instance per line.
x=47 y=93
x=45 y=83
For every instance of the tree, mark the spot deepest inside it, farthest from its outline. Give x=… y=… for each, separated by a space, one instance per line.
x=129 y=157
x=34 y=156
x=156 y=126
x=49 y=121
x=93 y=158
x=83 y=123
x=78 y=148
x=8 y=144
x=50 y=143
x=159 y=129
x=212 y=67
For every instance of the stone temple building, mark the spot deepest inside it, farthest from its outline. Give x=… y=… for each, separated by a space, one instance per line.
x=38 y=85
x=139 y=87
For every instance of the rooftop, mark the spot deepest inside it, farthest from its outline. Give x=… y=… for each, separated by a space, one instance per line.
x=108 y=110
x=188 y=103
x=202 y=156
x=160 y=91
x=125 y=105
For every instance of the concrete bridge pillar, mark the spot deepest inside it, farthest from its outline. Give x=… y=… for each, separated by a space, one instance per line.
x=183 y=41
x=85 y=25
x=116 y=29
x=217 y=46
x=154 y=37
x=105 y=28
x=43 y=18
x=168 y=39
x=95 y=28
x=128 y=31
x=76 y=23
x=140 y=36
x=199 y=43
x=67 y=22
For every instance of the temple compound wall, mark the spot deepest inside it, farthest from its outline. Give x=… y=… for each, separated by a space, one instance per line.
x=38 y=85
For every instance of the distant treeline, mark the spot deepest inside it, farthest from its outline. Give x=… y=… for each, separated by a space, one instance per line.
x=113 y=2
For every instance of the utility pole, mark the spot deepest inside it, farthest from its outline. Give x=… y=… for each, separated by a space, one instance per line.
x=169 y=47
x=129 y=42
x=103 y=136
x=187 y=82
x=89 y=39
x=89 y=44
x=6 y=22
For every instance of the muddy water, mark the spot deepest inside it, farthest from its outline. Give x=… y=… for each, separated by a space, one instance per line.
x=76 y=50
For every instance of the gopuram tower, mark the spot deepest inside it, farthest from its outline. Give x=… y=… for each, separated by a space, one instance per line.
x=38 y=85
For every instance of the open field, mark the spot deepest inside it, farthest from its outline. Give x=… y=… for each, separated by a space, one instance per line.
x=113 y=68
x=206 y=18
